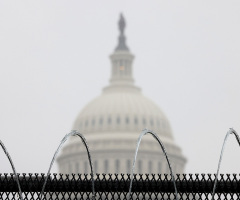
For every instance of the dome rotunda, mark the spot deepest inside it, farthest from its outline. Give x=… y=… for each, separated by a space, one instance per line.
x=120 y=111
x=112 y=123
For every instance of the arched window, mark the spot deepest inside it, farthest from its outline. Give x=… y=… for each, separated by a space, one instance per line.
x=144 y=121
x=109 y=120
x=93 y=122
x=150 y=167
x=85 y=167
x=140 y=166
x=86 y=123
x=175 y=168
x=101 y=121
x=70 y=168
x=151 y=122
x=120 y=63
x=158 y=122
x=117 y=165
x=95 y=166
x=164 y=124
x=136 y=120
x=159 y=167
x=106 y=166
x=77 y=170
x=129 y=169
x=115 y=67
x=126 y=67
x=127 y=120
x=65 y=167
x=167 y=171
x=118 y=120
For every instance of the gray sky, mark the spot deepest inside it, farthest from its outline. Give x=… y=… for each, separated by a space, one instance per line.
x=54 y=58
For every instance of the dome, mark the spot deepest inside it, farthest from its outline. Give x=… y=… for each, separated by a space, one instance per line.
x=112 y=123
x=121 y=111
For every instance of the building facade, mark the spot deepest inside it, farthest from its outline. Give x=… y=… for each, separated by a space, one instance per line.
x=112 y=123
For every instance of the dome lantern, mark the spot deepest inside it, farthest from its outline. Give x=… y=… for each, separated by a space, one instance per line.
x=121 y=62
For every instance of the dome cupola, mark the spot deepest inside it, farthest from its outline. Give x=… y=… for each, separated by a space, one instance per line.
x=121 y=62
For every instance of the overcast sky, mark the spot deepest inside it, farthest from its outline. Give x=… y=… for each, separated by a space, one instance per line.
x=54 y=58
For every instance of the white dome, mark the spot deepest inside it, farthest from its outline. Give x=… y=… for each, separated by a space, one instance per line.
x=122 y=111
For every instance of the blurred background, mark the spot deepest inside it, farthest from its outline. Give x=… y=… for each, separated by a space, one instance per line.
x=54 y=58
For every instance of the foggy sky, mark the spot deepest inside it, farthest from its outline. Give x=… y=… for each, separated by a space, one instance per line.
x=54 y=59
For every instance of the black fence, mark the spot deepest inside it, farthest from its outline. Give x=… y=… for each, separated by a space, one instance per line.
x=116 y=186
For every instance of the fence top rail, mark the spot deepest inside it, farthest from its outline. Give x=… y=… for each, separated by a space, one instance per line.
x=186 y=183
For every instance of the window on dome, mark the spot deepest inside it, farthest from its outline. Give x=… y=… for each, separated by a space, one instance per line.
x=158 y=122
x=120 y=62
x=77 y=167
x=126 y=67
x=109 y=120
x=159 y=167
x=151 y=122
x=150 y=166
x=70 y=168
x=95 y=166
x=65 y=167
x=174 y=168
x=128 y=166
x=164 y=124
x=86 y=123
x=136 y=120
x=127 y=120
x=167 y=171
x=144 y=121
x=106 y=166
x=101 y=121
x=93 y=122
x=118 y=120
x=85 y=167
x=117 y=164
x=140 y=166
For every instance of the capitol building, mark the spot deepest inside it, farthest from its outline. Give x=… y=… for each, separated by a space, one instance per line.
x=112 y=123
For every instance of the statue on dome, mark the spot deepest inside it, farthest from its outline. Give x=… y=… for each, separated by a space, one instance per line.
x=121 y=39
x=121 y=24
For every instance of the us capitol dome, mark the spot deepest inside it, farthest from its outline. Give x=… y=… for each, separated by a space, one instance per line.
x=112 y=123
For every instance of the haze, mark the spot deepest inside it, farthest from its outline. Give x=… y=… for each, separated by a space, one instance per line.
x=54 y=60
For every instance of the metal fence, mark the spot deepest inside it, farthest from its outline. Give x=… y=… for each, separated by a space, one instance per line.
x=116 y=186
